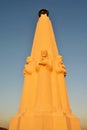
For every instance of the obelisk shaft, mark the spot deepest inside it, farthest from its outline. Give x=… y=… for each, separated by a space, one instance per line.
x=44 y=103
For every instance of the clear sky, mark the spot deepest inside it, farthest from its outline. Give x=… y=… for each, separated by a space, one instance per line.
x=17 y=26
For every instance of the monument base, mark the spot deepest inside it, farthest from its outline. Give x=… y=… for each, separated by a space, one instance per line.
x=50 y=121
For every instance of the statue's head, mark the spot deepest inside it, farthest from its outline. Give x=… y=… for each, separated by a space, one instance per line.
x=44 y=53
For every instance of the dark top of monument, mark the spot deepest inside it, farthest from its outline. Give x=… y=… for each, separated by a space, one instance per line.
x=43 y=11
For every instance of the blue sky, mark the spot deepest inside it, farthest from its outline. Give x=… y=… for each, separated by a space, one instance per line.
x=17 y=26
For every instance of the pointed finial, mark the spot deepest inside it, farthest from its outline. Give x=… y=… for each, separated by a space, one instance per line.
x=43 y=11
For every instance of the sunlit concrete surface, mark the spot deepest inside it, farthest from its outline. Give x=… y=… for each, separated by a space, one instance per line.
x=44 y=103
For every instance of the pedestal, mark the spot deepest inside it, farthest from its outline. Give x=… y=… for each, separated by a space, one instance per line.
x=45 y=121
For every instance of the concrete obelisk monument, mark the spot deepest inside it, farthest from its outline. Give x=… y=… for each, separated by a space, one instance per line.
x=44 y=104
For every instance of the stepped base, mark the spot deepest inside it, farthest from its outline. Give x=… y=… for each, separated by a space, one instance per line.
x=44 y=122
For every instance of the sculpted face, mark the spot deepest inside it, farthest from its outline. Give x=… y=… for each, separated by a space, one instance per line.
x=44 y=53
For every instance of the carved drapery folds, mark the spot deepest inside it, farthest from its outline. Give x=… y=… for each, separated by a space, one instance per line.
x=44 y=61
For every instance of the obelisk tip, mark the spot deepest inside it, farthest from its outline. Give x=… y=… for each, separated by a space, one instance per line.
x=43 y=11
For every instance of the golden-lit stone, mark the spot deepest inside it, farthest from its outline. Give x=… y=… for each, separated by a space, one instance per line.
x=44 y=104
